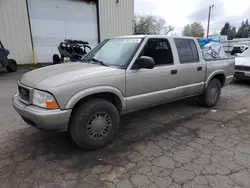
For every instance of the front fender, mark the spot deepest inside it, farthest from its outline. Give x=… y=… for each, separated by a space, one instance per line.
x=211 y=76
x=95 y=90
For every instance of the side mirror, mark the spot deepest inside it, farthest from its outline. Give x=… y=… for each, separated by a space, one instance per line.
x=144 y=62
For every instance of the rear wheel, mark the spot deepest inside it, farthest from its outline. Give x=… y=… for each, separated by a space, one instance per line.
x=56 y=59
x=94 y=124
x=12 y=65
x=212 y=94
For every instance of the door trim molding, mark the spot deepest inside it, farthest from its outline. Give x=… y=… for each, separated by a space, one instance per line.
x=164 y=91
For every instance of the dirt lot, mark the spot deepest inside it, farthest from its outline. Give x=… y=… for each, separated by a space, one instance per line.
x=174 y=145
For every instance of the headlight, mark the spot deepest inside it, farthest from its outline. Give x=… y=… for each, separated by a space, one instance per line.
x=44 y=100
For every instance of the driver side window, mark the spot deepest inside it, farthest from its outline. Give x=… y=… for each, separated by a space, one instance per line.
x=160 y=51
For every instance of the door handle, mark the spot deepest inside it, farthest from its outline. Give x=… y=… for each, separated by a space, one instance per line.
x=174 y=71
x=199 y=68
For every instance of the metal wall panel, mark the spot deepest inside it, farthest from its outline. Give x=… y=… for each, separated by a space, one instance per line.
x=14 y=30
x=53 y=21
x=116 y=18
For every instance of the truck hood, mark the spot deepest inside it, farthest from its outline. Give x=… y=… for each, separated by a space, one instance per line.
x=242 y=61
x=56 y=75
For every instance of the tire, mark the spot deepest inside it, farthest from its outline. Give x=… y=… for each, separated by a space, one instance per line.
x=212 y=94
x=12 y=65
x=232 y=52
x=56 y=59
x=91 y=119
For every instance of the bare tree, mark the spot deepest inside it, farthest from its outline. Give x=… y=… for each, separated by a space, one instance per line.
x=168 y=29
x=150 y=24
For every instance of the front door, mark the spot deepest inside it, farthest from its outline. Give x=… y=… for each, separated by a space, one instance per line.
x=149 y=87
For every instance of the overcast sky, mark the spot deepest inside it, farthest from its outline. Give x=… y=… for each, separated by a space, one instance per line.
x=181 y=12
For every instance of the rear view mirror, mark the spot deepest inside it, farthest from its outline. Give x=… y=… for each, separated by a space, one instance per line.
x=144 y=62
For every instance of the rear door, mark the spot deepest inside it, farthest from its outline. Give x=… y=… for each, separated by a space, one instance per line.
x=191 y=68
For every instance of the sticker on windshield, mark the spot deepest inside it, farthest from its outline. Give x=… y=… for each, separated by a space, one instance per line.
x=132 y=41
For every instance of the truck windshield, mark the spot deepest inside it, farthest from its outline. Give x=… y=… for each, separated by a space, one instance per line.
x=114 y=52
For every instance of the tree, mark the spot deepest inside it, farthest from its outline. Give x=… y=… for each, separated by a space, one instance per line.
x=247 y=25
x=168 y=29
x=149 y=24
x=187 y=30
x=229 y=31
x=244 y=30
x=193 y=30
x=225 y=29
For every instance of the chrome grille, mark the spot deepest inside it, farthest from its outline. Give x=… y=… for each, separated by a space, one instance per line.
x=24 y=93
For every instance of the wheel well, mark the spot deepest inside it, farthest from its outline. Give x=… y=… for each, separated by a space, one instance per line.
x=111 y=97
x=221 y=78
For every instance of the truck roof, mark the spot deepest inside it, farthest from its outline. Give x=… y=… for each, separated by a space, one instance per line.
x=153 y=36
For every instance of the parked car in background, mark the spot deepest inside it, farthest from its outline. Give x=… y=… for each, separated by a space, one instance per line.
x=120 y=75
x=242 y=66
x=5 y=62
x=240 y=47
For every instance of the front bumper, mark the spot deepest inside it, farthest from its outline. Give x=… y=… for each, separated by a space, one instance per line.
x=43 y=119
x=242 y=75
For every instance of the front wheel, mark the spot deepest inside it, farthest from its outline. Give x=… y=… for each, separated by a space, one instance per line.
x=12 y=65
x=94 y=124
x=212 y=94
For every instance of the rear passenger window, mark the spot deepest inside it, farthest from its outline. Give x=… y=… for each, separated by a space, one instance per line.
x=187 y=50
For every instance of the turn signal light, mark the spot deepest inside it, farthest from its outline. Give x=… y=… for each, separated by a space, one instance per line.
x=52 y=105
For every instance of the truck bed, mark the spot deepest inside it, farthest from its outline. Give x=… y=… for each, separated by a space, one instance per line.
x=225 y=66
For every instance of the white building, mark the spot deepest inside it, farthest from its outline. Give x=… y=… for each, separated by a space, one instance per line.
x=42 y=24
x=218 y=37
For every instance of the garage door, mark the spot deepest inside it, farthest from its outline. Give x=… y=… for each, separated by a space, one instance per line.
x=52 y=21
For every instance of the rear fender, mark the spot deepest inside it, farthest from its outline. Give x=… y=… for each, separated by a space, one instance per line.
x=211 y=76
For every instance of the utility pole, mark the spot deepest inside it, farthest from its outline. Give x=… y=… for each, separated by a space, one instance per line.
x=209 y=15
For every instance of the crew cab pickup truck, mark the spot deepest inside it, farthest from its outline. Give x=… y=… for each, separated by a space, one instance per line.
x=120 y=75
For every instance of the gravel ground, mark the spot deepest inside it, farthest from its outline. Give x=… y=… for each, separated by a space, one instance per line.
x=174 y=145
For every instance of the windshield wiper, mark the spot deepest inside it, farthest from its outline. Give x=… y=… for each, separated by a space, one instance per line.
x=98 y=61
